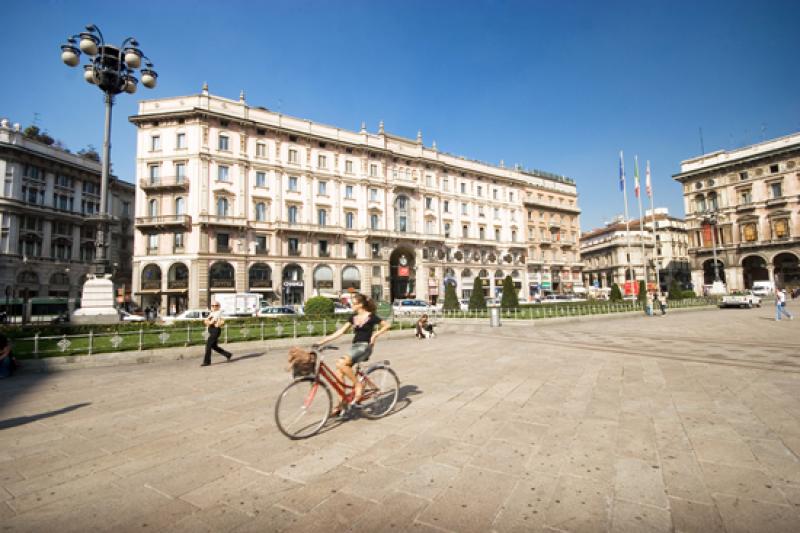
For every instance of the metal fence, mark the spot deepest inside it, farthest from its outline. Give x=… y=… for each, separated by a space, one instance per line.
x=195 y=334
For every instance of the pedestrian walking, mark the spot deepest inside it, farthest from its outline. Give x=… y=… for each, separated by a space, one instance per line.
x=662 y=302
x=648 y=304
x=214 y=321
x=780 y=305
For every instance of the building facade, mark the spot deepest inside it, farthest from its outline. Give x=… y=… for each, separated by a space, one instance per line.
x=234 y=198
x=605 y=253
x=47 y=235
x=742 y=206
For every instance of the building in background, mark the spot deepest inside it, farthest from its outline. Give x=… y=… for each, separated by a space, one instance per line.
x=604 y=253
x=47 y=236
x=742 y=205
x=234 y=198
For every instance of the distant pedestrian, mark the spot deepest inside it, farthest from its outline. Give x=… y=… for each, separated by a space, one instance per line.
x=662 y=302
x=7 y=362
x=780 y=305
x=214 y=321
x=648 y=304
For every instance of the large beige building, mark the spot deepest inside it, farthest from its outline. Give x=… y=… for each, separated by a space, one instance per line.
x=235 y=198
x=743 y=205
x=608 y=253
x=47 y=235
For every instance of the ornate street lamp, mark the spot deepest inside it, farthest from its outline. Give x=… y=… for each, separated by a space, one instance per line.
x=113 y=70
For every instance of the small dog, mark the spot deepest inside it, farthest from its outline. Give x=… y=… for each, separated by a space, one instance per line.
x=301 y=362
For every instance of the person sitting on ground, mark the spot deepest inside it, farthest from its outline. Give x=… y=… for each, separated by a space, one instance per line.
x=363 y=322
x=7 y=362
x=424 y=328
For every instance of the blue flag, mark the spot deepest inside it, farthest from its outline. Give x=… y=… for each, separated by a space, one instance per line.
x=621 y=173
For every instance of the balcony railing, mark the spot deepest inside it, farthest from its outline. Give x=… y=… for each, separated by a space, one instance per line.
x=152 y=250
x=221 y=249
x=294 y=253
x=351 y=254
x=222 y=283
x=151 y=284
x=261 y=283
x=221 y=220
x=163 y=183
x=178 y=284
x=177 y=249
x=164 y=221
x=324 y=253
x=262 y=251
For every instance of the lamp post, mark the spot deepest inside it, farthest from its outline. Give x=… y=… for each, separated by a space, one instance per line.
x=711 y=219
x=113 y=70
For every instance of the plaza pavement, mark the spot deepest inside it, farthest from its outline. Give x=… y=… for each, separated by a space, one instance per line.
x=689 y=422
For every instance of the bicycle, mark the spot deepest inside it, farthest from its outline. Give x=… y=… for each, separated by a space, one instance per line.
x=305 y=405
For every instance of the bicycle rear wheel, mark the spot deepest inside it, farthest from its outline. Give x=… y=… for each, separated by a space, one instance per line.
x=381 y=389
x=303 y=408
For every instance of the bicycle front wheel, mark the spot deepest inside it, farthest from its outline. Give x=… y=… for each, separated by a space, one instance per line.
x=381 y=389
x=303 y=408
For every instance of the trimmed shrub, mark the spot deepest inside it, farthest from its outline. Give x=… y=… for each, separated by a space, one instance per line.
x=450 y=298
x=675 y=290
x=616 y=293
x=477 y=302
x=510 y=299
x=688 y=294
x=642 y=296
x=318 y=306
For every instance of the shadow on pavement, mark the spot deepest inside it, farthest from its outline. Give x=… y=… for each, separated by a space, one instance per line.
x=249 y=355
x=22 y=420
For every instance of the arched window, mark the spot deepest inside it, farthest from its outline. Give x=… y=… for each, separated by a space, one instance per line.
x=222 y=207
x=712 y=201
x=261 y=212
x=466 y=273
x=151 y=277
x=349 y=220
x=323 y=277
x=59 y=278
x=180 y=206
x=221 y=276
x=700 y=203
x=260 y=276
x=351 y=278
x=178 y=276
x=152 y=208
x=292 y=214
x=28 y=276
x=401 y=214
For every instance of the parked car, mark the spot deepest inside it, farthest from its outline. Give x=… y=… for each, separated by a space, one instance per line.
x=741 y=299
x=341 y=309
x=187 y=316
x=276 y=311
x=763 y=288
x=128 y=317
x=464 y=304
x=410 y=307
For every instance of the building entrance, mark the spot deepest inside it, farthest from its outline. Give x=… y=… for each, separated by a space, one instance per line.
x=754 y=269
x=402 y=277
x=293 y=286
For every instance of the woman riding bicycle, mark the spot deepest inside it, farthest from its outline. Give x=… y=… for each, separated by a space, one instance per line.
x=363 y=322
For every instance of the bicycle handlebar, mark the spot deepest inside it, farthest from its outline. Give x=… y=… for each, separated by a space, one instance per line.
x=323 y=348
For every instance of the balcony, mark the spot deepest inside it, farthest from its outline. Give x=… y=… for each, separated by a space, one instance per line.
x=152 y=250
x=294 y=253
x=151 y=284
x=180 y=183
x=178 y=249
x=261 y=251
x=222 y=220
x=164 y=221
x=178 y=284
x=745 y=206
x=260 y=283
x=351 y=254
x=777 y=202
x=324 y=253
x=222 y=284
x=224 y=249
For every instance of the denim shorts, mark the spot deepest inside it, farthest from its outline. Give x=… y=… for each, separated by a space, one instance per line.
x=360 y=352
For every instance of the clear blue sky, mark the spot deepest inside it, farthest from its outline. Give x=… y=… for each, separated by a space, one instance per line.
x=558 y=86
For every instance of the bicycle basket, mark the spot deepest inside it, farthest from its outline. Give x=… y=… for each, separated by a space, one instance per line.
x=301 y=362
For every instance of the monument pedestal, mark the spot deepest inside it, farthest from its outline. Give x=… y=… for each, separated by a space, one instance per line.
x=717 y=289
x=97 y=302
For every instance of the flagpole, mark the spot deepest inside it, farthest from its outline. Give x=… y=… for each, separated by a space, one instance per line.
x=627 y=221
x=655 y=226
x=641 y=217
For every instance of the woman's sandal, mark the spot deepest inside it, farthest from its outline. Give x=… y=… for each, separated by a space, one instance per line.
x=338 y=409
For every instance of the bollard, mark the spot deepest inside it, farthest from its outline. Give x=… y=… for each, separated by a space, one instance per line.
x=91 y=341
x=226 y=334
x=141 y=338
x=188 y=334
x=262 y=330
x=36 y=346
x=294 y=329
x=324 y=326
x=494 y=317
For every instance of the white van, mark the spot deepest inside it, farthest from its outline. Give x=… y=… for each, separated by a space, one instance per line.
x=763 y=288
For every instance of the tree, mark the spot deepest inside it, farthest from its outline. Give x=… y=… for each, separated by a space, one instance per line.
x=642 y=296
x=675 y=290
x=510 y=299
x=477 y=301
x=616 y=293
x=90 y=152
x=450 y=298
x=318 y=306
x=33 y=132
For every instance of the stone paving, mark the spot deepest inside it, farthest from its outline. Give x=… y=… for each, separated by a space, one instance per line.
x=689 y=422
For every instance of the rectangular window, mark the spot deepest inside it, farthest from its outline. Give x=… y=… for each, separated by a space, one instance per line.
x=776 y=190
x=155 y=174
x=463 y=188
x=447 y=230
x=480 y=211
x=480 y=190
x=446 y=206
x=428 y=202
x=348 y=167
x=180 y=172
x=322 y=217
x=351 y=249
x=481 y=233
x=373 y=170
x=465 y=232
x=322 y=161
x=402 y=224
x=742 y=176
x=223 y=143
x=178 y=240
x=222 y=173
x=445 y=184
x=261 y=150
x=155 y=143
x=294 y=246
x=773 y=169
x=152 y=243
x=464 y=209
x=126 y=208
x=510 y=196
x=180 y=141
x=496 y=234
x=373 y=221
x=323 y=248
x=428 y=180
x=292 y=183
x=261 y=244
x=261 y=179
x=373 y=195
x=349 y=220
x=496 y=213
x=494 y=194
x=292 y=214
x=293 y=156
x=745 y=197
x=348 y=191
x=376 y=254
x=322 y=188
